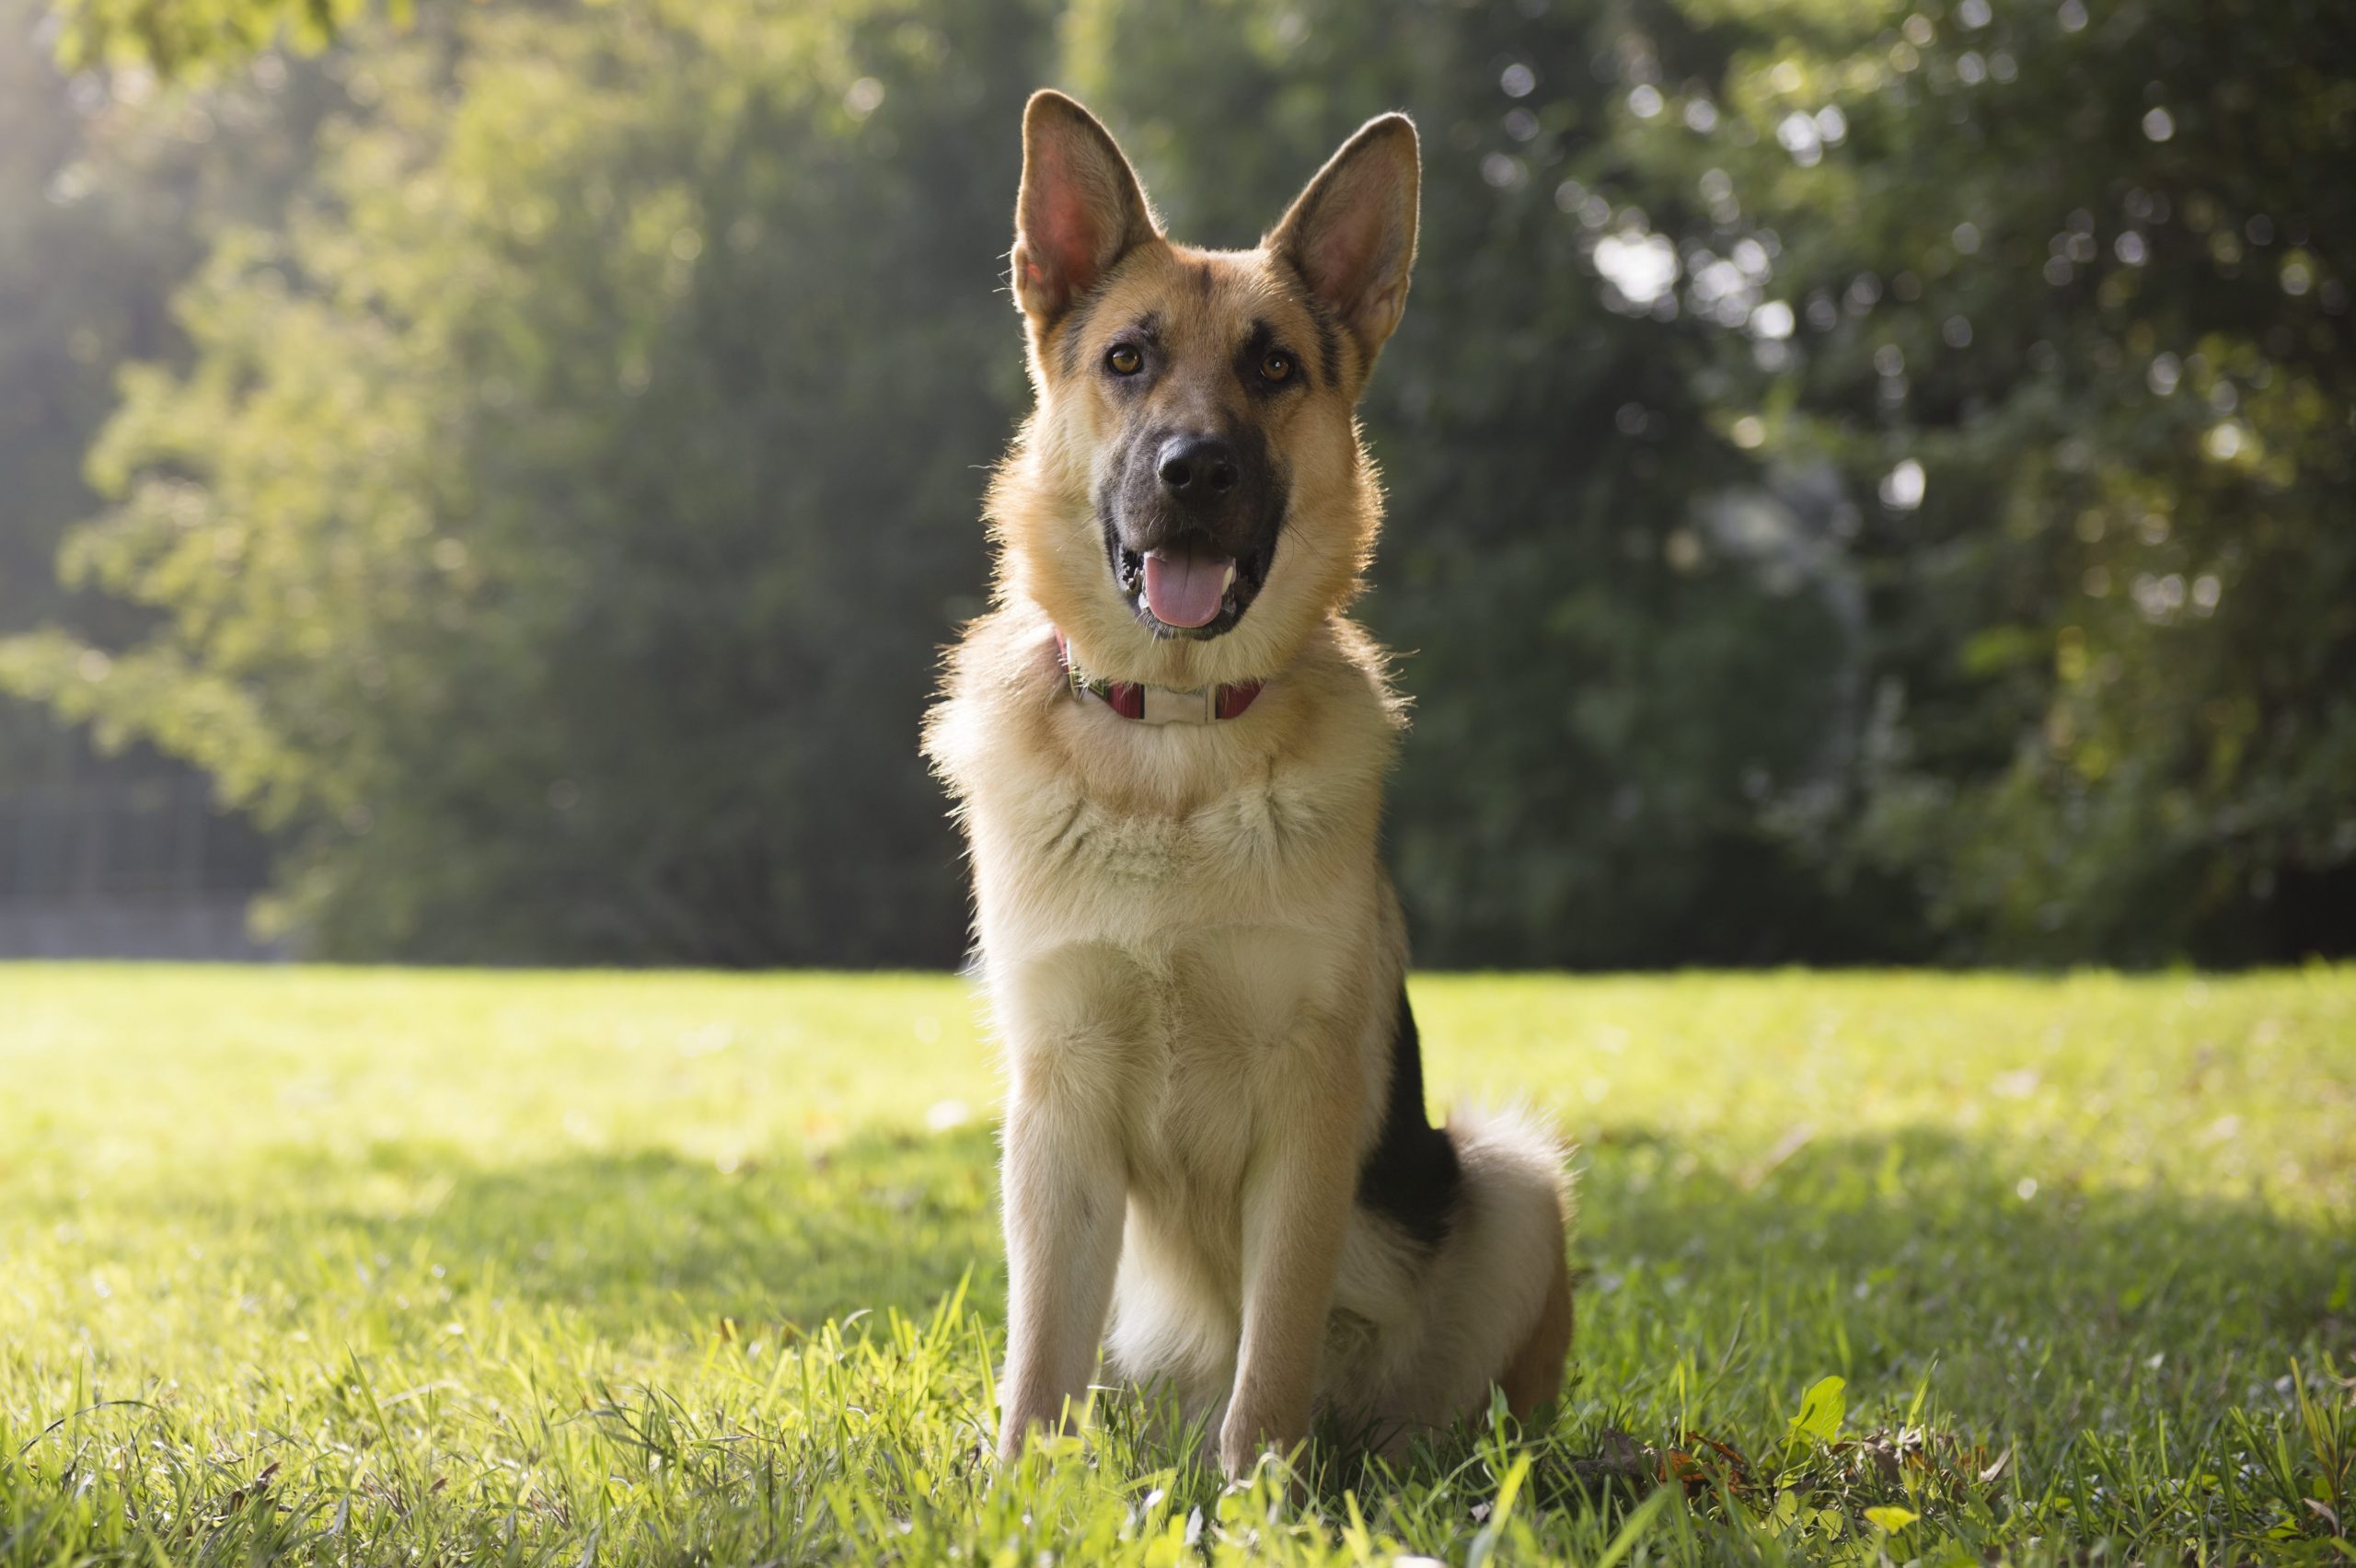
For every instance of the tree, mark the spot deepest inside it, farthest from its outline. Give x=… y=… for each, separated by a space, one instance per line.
x=111 y=186
x=554 y=532
x=195 y=39
x=2064 y=293
x=1866 y=482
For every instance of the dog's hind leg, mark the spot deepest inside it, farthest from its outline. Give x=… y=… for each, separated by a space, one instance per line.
x=1495 y=1306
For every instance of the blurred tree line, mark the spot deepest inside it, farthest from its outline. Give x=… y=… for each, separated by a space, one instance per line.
x=1868 y=481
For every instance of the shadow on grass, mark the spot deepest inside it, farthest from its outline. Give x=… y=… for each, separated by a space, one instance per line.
x=1876 y=1257
x=2026 y=1301
x=654 y=1242
x=1716 y=1291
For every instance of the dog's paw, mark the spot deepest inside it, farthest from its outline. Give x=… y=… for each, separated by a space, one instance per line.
x=1247 y=1441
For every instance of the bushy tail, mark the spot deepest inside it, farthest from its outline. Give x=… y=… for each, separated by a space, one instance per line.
x=1506 y=1291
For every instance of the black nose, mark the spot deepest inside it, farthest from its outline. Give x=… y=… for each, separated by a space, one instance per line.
x=1197 y=468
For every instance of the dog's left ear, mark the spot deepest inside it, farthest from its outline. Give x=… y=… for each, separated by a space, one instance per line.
x=1352 y=232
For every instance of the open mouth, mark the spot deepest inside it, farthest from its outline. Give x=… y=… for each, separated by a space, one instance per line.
x=1187 y=591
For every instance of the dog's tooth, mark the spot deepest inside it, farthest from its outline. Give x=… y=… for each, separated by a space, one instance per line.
x=1228 y=581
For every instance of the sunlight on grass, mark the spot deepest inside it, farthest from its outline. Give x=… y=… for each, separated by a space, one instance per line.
x=337 y=1266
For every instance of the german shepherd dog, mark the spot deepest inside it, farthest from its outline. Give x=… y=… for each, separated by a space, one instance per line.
x=1167 y=744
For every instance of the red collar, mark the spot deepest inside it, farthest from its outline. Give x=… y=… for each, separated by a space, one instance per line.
x=1158 y=704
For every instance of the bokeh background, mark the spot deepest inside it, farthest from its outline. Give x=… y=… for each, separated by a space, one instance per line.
x=1869 y=481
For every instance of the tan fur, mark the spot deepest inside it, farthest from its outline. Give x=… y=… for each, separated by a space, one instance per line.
x=1187 y=939
x=1534 y=1375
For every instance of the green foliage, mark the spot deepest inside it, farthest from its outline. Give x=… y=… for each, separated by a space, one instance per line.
x=1821 y=1412
x=2069 y=295
x=508 y=562
x=196 y=38
x=1826 y=519
x=96 y=230
x=112 y=190
x=533 y=1268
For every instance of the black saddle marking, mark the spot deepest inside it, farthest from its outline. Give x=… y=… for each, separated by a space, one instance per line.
x=1411 y=1176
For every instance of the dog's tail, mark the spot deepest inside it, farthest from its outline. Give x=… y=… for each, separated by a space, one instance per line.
x=1519 y=1204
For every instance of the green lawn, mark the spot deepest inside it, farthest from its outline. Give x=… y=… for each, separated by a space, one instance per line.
x=441 y=1267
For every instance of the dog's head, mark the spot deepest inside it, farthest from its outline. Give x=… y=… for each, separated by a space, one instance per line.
x=1190 y=498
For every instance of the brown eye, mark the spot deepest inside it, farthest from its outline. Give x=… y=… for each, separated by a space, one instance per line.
x=1276 y=365
x=1125 y=360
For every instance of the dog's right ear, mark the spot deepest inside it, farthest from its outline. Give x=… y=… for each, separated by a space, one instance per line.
x=1080 y=212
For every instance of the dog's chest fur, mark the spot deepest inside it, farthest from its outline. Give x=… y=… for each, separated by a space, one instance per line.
x=1167 y=914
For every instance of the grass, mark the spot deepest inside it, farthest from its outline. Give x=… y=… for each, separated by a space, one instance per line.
x=366 y=1266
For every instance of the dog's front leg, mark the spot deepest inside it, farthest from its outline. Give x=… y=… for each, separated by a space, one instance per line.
x=1296 y=1209
x=1064 y=1198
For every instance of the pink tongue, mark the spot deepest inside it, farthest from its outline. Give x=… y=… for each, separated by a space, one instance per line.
x=1185 y=590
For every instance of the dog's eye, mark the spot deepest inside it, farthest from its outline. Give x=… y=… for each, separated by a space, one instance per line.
x=1125 y=360
x=1276 y=365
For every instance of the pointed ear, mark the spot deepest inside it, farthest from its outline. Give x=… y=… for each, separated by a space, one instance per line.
x=1081 y=209
x=1352 y=233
